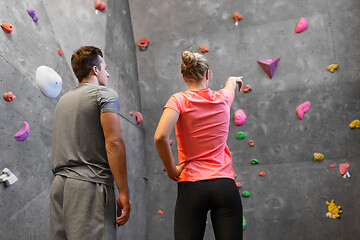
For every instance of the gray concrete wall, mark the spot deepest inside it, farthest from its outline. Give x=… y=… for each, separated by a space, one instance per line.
x=66 y=25
x=289 y=202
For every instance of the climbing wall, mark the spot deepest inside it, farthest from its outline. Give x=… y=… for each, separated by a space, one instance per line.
x=289 y=202
x=64 y=25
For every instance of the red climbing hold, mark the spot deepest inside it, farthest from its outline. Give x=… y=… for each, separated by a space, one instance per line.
x=60 y=52
x=9 y=96
x=138 y=117
x=143 y=43
x=160 y=212
x=203 y=49
x=7 y=27
x=100 y=5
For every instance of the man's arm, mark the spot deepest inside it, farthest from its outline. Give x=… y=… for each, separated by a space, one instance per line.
x=231 y=84
x=116 y=154
x=161 y=139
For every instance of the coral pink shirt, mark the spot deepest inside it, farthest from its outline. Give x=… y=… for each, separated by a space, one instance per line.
x=201 y=132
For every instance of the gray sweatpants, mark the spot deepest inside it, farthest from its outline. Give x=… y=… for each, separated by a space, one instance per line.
x=81 y=210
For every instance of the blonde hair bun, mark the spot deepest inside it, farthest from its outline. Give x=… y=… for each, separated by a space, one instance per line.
x=189 y=59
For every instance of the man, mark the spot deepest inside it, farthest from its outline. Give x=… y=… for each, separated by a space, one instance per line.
x=88 y=154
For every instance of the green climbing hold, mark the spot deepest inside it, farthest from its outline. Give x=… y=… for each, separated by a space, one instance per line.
x=254 y=161
x=241 y=135
x=246 y=194
x=235 y=175
x=244 y=223
x=231 y=153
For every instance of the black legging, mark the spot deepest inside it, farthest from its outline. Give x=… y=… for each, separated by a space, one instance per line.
x=195 y=199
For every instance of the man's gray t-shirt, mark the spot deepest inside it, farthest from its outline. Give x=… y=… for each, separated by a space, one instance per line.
x=78 y=144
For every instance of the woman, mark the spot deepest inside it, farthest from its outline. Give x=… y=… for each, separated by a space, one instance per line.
x=205 y=175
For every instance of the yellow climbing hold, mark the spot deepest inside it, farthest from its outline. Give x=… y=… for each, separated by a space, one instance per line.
x=355 y=124
x=332 y=67
x=334 y=211
x=318 y=156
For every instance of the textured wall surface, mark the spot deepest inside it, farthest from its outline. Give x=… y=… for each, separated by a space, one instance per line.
x=289 y=202
x=66 y=25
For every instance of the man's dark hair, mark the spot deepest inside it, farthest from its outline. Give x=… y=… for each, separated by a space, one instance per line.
x=84 y=59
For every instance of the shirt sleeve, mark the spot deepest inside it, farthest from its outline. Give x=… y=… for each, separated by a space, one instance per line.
x=174 y=103
x=228 y=96
x=108 y=100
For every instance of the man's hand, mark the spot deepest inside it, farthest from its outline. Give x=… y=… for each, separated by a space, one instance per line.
x=123 y=210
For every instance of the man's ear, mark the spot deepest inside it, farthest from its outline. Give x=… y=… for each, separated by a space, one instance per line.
x=207 y=74
x=94 y=70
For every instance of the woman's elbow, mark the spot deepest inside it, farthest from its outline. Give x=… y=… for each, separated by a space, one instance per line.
x=158 y=137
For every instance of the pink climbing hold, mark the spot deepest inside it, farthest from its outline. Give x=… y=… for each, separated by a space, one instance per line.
x=302 y=25
x=240 y=117
x=332 y=165
x=344 y=168
x=23 y=133
x=269 y=66
x=138 y=116
x=170 y=142
x=302 y=109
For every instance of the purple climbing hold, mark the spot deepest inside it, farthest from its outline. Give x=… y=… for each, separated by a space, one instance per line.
x=23 y=133
x=269 y=66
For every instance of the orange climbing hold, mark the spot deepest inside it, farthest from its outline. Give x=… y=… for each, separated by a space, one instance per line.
x=7 y=27
x=238 y=185
x=160 y=212
x=143 y=43
x=203 y=49
x=251 y=143
x=262 y=173
x=247 y=88
x=237 y=17
x=9 y=96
